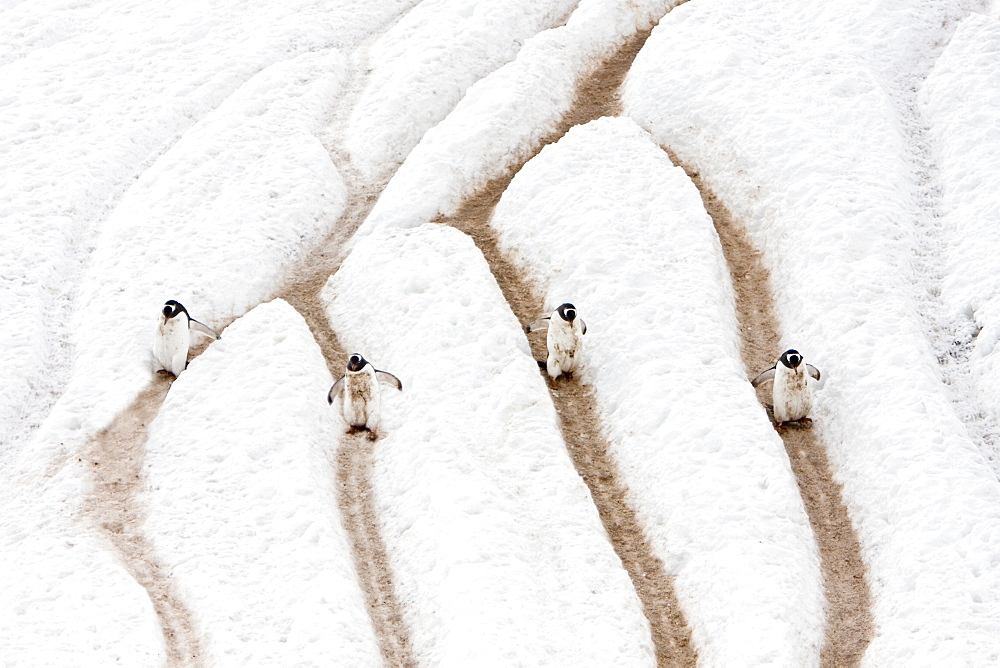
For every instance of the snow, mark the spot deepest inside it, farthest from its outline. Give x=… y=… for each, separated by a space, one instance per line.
x=251 y=176
x=423 y=65
x=245 y=444
x=832 y=212
x=961 y=100
x=203 y=153
x=505 y=116
x=93 y=93
x=494 y=540
x=67 y=600
x=603 y=219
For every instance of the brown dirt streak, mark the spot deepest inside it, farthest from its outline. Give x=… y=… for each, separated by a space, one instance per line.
x=355 y=457
x=850 y=624
x=354 y=471
x=596 y=97
x=576 y=406
x=116 y=458
x=582 y=432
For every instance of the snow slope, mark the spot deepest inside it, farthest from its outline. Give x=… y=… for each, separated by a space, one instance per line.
x=961 y=102
x=497 y=550
x=602 y=219
x=796 y=122
x=216 y=223
x=504 y=117
x=422 y=66
x=66 y=599
x=243 y=508
x=92 y=94
x=169 y=150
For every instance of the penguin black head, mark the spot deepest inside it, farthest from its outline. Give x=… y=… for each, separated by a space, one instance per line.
x=791 y=358
x=567 y=312
x=356 y=362
x=172 y=309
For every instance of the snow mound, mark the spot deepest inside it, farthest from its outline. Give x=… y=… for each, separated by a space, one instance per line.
x=961 y=100
x=242 y=500
x=422 y=66
x=505 y=116
x=808 y=143
x=602 y=219
x=499 y=555
x=216 y=224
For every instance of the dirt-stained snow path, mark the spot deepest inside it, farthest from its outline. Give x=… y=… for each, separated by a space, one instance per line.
x=849 y=617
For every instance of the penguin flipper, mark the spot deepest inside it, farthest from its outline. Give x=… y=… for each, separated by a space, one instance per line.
x=583 y=325
x=335 y=391
x=538 y=325
x=202 y=328
x=389 y=379
x=763 y=377
x=813 y=371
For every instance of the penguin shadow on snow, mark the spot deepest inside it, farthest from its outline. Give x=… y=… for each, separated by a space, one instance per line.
x=563 y=341
x=359 y=395
x=173 y=338
x=791 y=392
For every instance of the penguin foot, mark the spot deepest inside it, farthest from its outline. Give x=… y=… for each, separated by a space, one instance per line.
x=801 y=423
x=354 y=429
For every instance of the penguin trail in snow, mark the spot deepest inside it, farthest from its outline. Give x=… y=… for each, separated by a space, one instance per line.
x=849 y=621
x=115 y=459
x=577 y=408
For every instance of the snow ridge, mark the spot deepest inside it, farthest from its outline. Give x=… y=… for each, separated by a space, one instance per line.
x=498 y=551
x=849 y=624
x=582 y=430
x=833 y=218
x=957 y=142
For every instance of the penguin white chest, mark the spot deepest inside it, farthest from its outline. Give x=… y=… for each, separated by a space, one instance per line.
x=171 y=345
x=361 y=399
x=792 y=394
x=564 y=343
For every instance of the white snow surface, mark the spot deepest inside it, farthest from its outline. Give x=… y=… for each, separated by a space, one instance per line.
x=497 y=549
x=215 y=223
x=423 y=65
x=93 y=92
x=66 y=599
x=170 y=150
x=243 y=503
x=602 y=219
x=799 y=121
x=505 y=116
x=961 y=101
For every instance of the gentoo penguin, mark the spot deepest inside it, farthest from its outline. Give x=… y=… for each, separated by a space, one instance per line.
x=361 y=398
x=173 y=337
x=791 y=391
x=564 y=340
